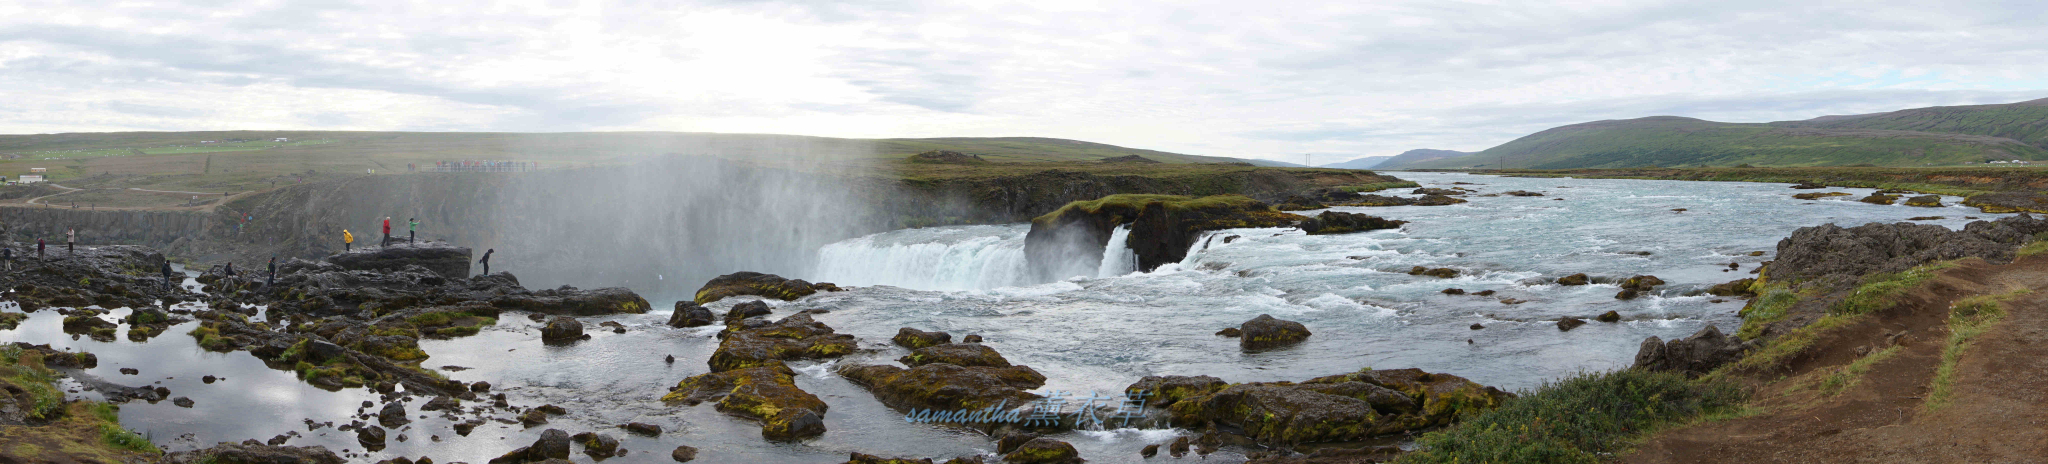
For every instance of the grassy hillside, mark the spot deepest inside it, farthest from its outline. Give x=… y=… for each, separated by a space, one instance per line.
x=1675 y=141
x=249 y=160
x=1417 y=156
x=2026 y=121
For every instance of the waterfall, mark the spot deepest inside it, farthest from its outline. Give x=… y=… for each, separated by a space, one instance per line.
x=1117 y=257
x=949 y=258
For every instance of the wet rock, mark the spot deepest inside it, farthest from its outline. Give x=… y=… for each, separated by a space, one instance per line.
x=1637 y=285
x=463 y=428
x=971 y=338
x=1265 y=332
x=1521 y=193
x=1043 y=451
x=561 y=329
x=1926 y=201
x=959 y=354
x=1569 y=323
x=1454 y=291
x=1011 y=440
x=1484 y=293
x=1879 y=199
x=1149 y=451
x=642 y=428
x=441 y=403
x=1333 y=222
x=1574 y=279
x=947 y=387
x=1441 y=272
x=451 y=262
x=755 y=283
x=689 y=314
x=371 y=437
x=598 y=445
x=551 y=409
x=393 y=415
x=1231 y=332
x=764 y=393
x=533 y=417
x=915 y=339
x=792 y=338
x=209 y=380
x=1736 y=288
x=683 y=453
x=746 y=310
x=793 y=424
x=182 y=402
x=1610 y=316
x=1162 y=390
x=480 y=387
x=1476 y=326
x=244 y=453
x=130 y=371
x=1694 y=355
x=858 y=458
x=615 y=325
x=1179 y=447
x=1337 y=408
x=1818 y=195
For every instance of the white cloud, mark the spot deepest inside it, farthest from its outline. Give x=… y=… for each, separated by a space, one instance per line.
x=1270 y=79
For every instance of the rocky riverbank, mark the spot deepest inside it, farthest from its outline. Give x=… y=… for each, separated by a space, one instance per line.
x=1991 y=189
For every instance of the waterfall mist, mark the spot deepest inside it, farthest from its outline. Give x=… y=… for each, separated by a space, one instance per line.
x=664 y=226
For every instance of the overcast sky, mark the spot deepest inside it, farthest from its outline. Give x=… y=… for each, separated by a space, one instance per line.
x=1261 y=79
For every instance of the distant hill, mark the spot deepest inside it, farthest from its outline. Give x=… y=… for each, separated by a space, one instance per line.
x=1020 y=149
x=1916 y=137
x=1368 y=162
x=1419 y=155
x=2025 y=121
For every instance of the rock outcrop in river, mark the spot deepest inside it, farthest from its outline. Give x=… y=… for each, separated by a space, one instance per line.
x=1337 y=408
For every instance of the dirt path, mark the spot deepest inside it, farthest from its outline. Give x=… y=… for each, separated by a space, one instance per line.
x=1998 y=412
x=66 y=190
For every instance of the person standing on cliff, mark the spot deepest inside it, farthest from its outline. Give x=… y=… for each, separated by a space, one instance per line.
x=70 y=241
x=346 y=240
x=39 y=248
x=387 y=232
x=412 y=232
x=487 y=260
x=273 y=273
x=167 y=275
x=9 y=252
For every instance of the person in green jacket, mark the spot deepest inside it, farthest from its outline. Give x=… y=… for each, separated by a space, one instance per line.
x=413 y=231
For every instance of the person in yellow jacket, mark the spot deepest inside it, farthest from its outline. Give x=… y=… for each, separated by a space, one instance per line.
x=346 y=240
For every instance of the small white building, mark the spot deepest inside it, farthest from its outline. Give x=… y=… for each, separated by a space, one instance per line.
x=282 y=139
x=30 y=178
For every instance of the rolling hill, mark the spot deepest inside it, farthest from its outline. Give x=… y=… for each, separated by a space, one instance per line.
x=1368 y=162
x=1419 y=155
x=1939 y=136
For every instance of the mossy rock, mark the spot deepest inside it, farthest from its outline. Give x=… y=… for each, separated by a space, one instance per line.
x=947 y=387
x=959 y=354
x=755 y=283
x=766 y=393
x=792 y=338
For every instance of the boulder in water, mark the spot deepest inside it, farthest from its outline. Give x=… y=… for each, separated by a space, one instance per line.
x=1928 y=201
x=1337 y=408
x=1333 y=222
x=449 y=261
x=562 y=329
x=1044 y=451
x=1574 y=279
x=689 y=314
x=255 y=453
x=915 y=339
x=1879 y=199
x=947 y=387
x=755 y=283
x=1266 y=332
x=958 y=354
x=792 y=338
x=1569 y=323
x=765 y=393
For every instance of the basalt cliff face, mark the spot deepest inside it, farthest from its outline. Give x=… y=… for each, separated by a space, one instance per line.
x=1162 y=228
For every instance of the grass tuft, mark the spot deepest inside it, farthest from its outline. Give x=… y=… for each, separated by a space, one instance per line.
x=1578 y=419
x=1967 y=319
x=1881 y=291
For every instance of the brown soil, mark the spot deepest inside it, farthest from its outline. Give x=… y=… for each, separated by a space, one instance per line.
x=1996 y=414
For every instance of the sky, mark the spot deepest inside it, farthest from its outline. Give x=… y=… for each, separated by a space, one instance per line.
x=1271 y=79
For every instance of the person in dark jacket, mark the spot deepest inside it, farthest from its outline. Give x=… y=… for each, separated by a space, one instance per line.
x=273 y=273
x=168 y=283
x=486 y=261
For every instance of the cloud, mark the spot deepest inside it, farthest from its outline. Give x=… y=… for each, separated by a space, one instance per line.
x=1236 y=79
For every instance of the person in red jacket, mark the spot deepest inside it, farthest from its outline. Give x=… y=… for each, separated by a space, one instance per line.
x=387 y=232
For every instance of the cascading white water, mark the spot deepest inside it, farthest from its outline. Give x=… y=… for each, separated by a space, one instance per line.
x=1117 y=257
x=970 y=258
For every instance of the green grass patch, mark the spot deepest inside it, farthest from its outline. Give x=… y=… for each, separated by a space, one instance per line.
x=1967 y=319
x=1771 y=305
x=1848 y=376
x=2036 y=246
x=25 y=370
x=1791 y=343
x=1578 y=419
x=1881 y=291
